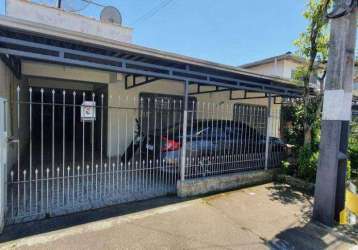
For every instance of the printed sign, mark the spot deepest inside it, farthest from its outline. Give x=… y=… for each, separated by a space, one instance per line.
x=88 y=111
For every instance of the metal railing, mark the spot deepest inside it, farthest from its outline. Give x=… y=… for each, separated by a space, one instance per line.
x=72 y=151
x=228 y=137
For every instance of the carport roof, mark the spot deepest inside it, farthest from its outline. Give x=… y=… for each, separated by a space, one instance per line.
x=24 y=39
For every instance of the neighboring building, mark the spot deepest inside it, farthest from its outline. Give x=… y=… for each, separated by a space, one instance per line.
x=42 y=13
x=283 y=66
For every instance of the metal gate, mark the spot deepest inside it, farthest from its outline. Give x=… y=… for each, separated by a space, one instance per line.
x=76 y=150
x=229 y=137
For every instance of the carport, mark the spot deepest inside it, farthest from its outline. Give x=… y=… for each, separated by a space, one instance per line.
x=105 y=158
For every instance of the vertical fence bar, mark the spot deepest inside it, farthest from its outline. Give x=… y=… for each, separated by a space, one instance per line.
x=30 y=146
x=3 y=162
x=73 y=145
x=92 y=152
x=42 y=150
x=268 y=131
x=185 y=126
x=148 y=178
x=63 y=131
x=118 y=144
x=101 y=156
x=83 y=140
x=53 y=137
x=18 y=144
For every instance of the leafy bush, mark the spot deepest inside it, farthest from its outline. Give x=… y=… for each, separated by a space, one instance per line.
x=349 y=170
x=353 y=145
x=307 y=163
x=286 y=167
x=353 y=153
x=292 y=116
x=306 y=156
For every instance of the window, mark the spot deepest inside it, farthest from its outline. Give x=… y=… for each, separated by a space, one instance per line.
x=293 y=73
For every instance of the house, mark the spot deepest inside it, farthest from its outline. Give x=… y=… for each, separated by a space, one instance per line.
x=283 y=66
x=93 y=120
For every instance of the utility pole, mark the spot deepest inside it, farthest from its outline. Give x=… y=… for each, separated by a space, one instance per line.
x=337 y=104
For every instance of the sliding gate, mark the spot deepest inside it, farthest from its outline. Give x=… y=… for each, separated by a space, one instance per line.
x=78 y=150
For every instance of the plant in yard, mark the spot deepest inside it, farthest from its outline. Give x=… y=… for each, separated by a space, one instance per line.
x=353 y=144
x=349 y=170
x=305 y=115
x=307 y=163
x=286 y=167
x=313 y=46
x=292 y=115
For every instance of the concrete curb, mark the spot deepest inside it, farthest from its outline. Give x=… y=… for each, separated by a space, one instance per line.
x=213 y=184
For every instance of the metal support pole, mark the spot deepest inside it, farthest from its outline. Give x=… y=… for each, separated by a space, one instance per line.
x=3 y=161
x=185 y=126
x=268 y=130
x=330 y=180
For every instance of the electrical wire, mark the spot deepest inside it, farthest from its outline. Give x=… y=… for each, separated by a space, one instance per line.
x=152 y=12
x=87 y=3
x=81 y=9
x=94 y=3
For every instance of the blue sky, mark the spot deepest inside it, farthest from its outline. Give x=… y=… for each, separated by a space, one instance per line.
x=232 y=32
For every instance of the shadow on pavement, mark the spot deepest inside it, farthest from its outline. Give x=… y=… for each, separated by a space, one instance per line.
x=13 y=232
x=349 y=230
x=310 y=236
x=287 y=195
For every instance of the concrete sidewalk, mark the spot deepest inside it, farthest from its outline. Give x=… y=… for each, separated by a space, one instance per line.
x=271 y=216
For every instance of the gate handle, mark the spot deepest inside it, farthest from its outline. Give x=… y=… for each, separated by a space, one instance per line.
x=12 y=139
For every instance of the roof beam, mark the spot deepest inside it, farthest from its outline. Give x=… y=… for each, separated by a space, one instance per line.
x=137 y=84
x=55 y=54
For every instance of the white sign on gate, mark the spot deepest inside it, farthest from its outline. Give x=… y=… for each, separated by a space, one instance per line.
x=88 y=111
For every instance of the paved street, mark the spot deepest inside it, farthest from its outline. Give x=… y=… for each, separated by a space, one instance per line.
x=262 y=217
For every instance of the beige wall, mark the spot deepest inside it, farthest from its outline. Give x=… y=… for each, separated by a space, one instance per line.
x=280 y=68
x=289 y=66
x=270 y=69
x=8 y=90
x=56 y=71
x=124 y=103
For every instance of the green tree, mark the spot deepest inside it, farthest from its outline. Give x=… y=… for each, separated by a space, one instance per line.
x=313 y=46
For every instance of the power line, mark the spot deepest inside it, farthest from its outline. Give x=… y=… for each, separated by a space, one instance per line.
x=153 y=11
x=79 y=10
x=94 y=3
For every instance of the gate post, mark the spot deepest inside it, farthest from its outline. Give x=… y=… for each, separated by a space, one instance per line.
x=185 y=125
x=268 y=131
x=3 y=161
